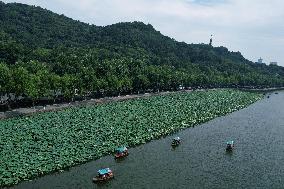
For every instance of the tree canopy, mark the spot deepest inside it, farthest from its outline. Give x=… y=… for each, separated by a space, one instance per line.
x=43 y=54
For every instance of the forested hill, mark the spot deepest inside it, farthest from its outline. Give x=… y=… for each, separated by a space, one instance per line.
x=43 y=53
x=36 y=27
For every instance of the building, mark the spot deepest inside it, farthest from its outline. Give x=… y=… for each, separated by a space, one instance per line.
x=273 y=63
x=260 y=60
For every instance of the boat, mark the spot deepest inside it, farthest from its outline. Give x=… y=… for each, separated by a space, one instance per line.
x=103 y=175
x=121 y=152
x=176 y=141
x=230 y=145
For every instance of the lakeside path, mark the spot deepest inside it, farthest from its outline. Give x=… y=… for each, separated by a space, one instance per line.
x=43 y=143
x=58 y=107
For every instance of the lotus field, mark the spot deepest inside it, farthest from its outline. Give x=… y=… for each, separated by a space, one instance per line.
x=47 y=142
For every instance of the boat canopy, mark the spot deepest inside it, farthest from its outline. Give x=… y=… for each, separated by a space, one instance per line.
x=230 y=142
x=121 y=149
x=176 y=138
x=104 y=171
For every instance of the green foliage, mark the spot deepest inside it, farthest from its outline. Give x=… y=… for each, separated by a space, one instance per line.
x=62 y=56
x=33 y=146
x=21 y=80
x=5 y=78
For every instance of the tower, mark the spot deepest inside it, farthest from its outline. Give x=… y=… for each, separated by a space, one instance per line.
x=211 y=40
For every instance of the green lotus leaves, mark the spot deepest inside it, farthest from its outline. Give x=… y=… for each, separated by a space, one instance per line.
x=47 y=142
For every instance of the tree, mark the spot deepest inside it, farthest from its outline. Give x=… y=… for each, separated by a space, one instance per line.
x=32 y=87
x=5 y=79
x=140 y=83
x=68 y=83
x=21 y=81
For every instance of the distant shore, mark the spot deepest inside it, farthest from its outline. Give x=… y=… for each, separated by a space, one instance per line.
x=263 y=90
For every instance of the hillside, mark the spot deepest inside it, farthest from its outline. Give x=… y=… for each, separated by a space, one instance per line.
x=43 y=54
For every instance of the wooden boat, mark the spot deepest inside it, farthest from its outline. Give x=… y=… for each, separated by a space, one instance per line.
x=103 y=175
x=121 y=152
x=230 y=145
x=176 y=141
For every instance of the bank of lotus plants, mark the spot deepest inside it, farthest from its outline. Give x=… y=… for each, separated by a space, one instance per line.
x=43 y=143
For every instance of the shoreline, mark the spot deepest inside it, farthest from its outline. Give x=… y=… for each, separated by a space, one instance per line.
x=28 y=111
x=266 y=90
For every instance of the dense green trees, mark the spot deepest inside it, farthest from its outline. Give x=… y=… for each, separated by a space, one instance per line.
x=43 y=54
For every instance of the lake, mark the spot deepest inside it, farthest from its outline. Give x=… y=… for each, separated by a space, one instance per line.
x=200 y=161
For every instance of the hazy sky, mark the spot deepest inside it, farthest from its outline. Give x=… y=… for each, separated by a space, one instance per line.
x=253 y=27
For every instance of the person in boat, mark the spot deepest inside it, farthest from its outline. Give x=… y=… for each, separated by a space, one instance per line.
x=103 y=175
x=176 y=141
x=230 y=145
x=121 y=152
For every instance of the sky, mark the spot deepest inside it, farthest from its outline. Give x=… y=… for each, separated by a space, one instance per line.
x=253 y=27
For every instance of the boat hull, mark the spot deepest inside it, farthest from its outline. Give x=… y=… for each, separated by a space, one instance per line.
x=229 y=148
x=102 y=179
x=174 y=144
x=122 y=155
